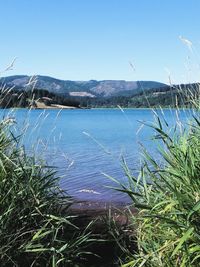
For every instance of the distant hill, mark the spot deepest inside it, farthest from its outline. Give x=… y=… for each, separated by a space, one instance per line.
x=47 y=92
x=182 y=95
x=92 y=88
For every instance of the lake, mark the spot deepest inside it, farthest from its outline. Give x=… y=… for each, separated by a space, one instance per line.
x=84 y=145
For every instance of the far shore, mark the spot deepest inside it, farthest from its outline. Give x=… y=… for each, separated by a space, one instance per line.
x=42 y=105
x=56 y=106
x=60 y=107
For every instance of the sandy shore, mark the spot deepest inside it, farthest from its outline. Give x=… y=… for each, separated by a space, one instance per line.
x=41 y=105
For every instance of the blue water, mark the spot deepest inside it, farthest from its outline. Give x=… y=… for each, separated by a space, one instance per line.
x=85 y=145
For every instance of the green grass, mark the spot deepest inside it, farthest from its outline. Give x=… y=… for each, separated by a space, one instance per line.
x=167 y=197
x=35 y=226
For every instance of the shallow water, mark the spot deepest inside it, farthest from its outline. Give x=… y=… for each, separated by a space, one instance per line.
x=85 y=144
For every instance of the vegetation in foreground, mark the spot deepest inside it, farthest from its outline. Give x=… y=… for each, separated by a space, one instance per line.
x=35 y=228
x=38 y=226
x=167 y=197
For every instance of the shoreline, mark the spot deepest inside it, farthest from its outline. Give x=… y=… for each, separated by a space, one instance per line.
x=98 y=205
x=60 y=107
x=97 y=210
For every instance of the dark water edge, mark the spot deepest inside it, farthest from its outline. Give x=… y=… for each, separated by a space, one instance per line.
x=96 y=206
x=104 y=215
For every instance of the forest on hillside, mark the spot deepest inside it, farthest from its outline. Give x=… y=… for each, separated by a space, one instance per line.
x=24 y=99
x=173 y=96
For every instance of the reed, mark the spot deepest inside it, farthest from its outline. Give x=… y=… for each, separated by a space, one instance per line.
x=167 y=197
x=35 y=227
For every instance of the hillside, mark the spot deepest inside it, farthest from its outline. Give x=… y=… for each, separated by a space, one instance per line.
x=92 y=88
x=173 y=96
x=89 y=94
x=40 y=99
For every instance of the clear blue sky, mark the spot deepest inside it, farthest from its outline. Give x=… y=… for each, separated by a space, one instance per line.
x=96 y=39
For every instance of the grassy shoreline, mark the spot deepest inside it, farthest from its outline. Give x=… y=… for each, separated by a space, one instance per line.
x=39 y=226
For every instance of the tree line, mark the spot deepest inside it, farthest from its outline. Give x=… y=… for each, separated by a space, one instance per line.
x=21 y=98
x=173 y=96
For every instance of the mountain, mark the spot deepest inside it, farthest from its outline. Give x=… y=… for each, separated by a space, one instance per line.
x=92 y=88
